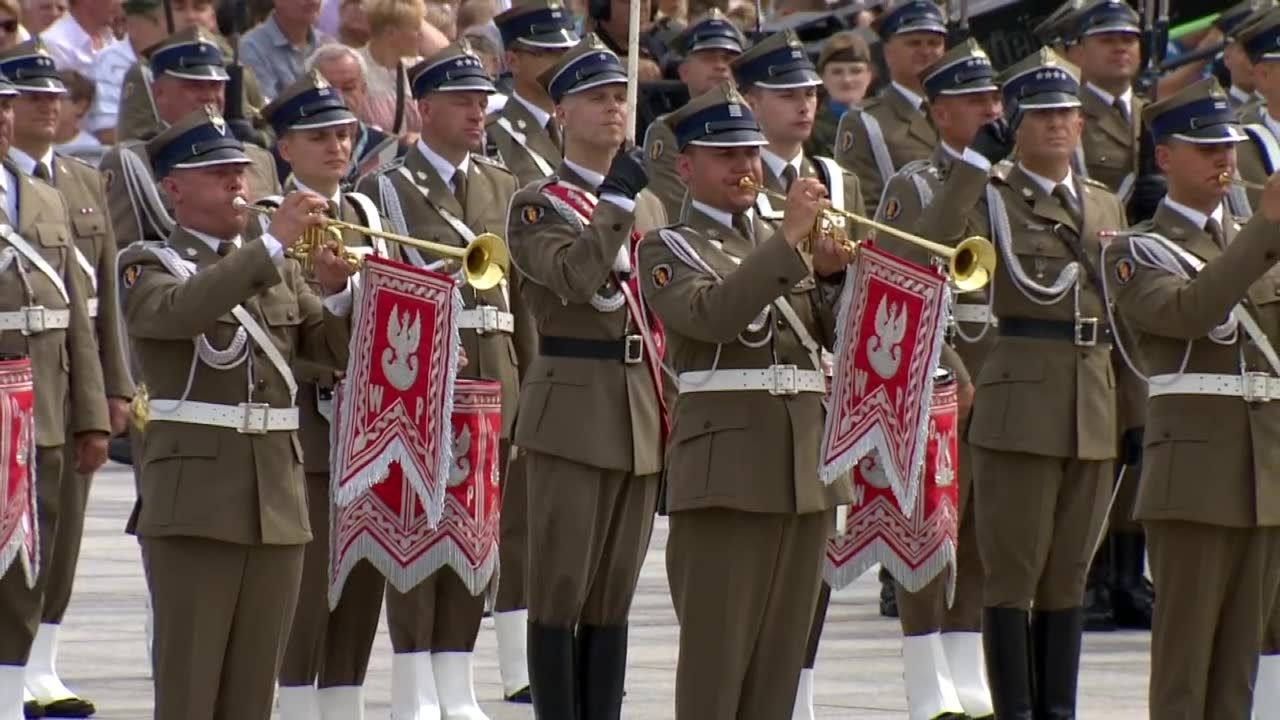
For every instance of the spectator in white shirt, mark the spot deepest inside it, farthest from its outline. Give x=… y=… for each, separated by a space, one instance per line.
x=69 y=138
x=145 y=26
x=37 y=15
x=79 y=35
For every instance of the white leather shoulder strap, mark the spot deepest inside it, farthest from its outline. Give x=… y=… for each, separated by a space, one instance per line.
x=879 y=148
x=372 y=219
x=1267 y=145
x=835 y=180
x=523 y=141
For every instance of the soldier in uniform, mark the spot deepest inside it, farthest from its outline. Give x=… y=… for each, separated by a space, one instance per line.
x=1259 y=156
x=1199 y=291
x=1229 y=23
x=444 y=191
x=890 y=130
x=189 y=73
x=708 y=46
x=783 y=95
x=590 y=419
x=1043 y=431
x=44 y=301
x=749 y=517
x=845 y=66
x=223 y=518
x=324 y=664
x=36 y=111
x=942 y=646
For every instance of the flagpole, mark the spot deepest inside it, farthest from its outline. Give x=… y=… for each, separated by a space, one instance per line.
x=633 y=68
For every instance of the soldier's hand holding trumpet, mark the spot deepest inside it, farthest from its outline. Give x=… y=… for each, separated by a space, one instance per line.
x=301 y=213
x=806 y=200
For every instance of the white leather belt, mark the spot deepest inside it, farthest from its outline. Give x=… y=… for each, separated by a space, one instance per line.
x=92 y=304
x=486 y=319
x=35 y=319
x=971 y=313
x=775 y=380
x=247 y=418
x=1252 y=387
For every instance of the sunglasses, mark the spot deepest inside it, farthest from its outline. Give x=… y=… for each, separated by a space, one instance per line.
x=9 y=26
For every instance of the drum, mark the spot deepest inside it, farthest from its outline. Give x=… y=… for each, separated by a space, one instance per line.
x=19 y=539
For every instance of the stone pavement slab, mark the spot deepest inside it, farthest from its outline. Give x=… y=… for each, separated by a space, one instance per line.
x=859 y=665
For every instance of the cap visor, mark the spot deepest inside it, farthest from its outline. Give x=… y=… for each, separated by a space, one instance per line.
x=1113 y=28
x=220 y=156
x=470 y=84
x=7 y=90
x=971 y=88
x=929 y=26
x=1213 y=135
x=52 y=86
x=717 y=43
x=200 y=72
x=1049 y=101
x=795 y=79
x=733 y=138
x=604 y=78
x=550 y=41
x=328 y=118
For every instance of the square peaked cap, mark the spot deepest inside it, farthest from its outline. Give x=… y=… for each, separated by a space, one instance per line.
x=964 y=69
x=1059 y=27
x=539 y=24
x=1041 y=81
x=711 y=31
x=1200 y=113
x=192 y=54
x=778 y=62
x=457 y=68
x=719 y=117
x=30 y=68
x=588 y=65
x=200 y=139
x=1261 y=37
x=910 y=17
x=1238 y=16
x=310 y=103
x=1106 y=16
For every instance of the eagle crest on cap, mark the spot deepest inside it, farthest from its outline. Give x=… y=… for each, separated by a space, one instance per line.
x=593 y=41
x=732 y=95
x=318 y=80
x=215 y=119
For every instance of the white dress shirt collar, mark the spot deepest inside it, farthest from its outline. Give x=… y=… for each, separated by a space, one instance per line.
x=335 y=198
x=1271 y=124
x=540 y=115
x=911 y=96
x=720 y=216
x=1048 y=185
x=27 y=164
x=9 y=194
x=1195 y=217
x=443 y=167
x=777 y=165
x=592 y=177
x=210 y=240
x=1125 y=97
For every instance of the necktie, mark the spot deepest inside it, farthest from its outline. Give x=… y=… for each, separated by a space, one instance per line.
x=1214 y=228
x=1064 y=196
x=742 y=224
x=788 y=177
x=42 y=171
x=1121 y=107
x=553 y=130
x=225 y=247
x=460 y=186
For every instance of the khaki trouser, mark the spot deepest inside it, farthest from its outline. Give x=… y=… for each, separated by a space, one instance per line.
x=64 y=552
x=513 y=538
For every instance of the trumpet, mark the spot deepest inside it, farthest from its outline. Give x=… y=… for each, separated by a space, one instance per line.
x=485 y=260
x=970 y=264
x=1227 y=181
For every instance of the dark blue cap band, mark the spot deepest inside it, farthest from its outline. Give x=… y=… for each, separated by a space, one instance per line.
x=711 y=34
x=1107 y=17
x=1193 y=118
x=204 y=142
x=1046 y=80
x=785 y=67
x=314 y=108
x=599 y=67
x=972 y=74
x=459 y=72
x=194 y=60
x=32 y=71
x=916 y=16
x=726 y=124
x=548 y=27
x=1264 y=44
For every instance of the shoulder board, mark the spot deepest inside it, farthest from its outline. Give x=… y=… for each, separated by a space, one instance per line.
x=1000 y=171
x=73 y=159
x=871 y=102
x=537 y=185
x=491 y=162
x=386 y=167
x=1095 y=183
x=815 y=159
x=915 y=167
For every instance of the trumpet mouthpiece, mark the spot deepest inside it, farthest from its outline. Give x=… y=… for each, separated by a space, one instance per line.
x=239 y=203
x=746 y=183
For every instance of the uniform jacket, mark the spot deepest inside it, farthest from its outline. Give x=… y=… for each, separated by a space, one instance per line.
x=1208 y=459
x=1110 y=141
x=81 y=187
x=129 y=218
x=490 y=356
x=212 y=482
x=660 y=152
x=67 y=376
x=822 y=141
x=601 y=413
x=137 y=115
x=1250 y=158
x=515 y=154
x=1036 y=396
x=907 y=133
x=749 y=451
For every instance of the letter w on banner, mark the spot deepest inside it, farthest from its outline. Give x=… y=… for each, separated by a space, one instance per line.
x=18 y=537
x=397 y=396
x=889 y=335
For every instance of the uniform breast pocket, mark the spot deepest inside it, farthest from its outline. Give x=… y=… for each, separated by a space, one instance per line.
x=1003 y=382
x=1044 y=255
x=282 y=318
x=699 y=446
x=89 y=227
x=53 y=240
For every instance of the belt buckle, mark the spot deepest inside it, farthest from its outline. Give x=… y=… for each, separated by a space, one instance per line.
x=488 y=319
x=784 y=380
x=1253 y=387
x=632 y=349
x=1081 y=338
x=33 y=320
x=254 y=418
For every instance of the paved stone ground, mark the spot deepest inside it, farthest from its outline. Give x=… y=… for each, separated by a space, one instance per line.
x=859 y=667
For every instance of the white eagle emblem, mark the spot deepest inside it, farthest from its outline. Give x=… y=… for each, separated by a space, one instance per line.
x=872 y=471
x=944 y=474
x=398 y=362
x=461 y=469
x=883 y=351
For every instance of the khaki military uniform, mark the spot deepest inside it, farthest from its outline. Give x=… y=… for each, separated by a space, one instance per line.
x=523 y=144
x=590 y=427
x=823 y=139
x=137 y=114
x=1043 y=430
x=749 y=517
x=660 y=150
x=223 y=515
x=70 y=397
x=904 y=207
x=905 y=130
x=81 y=187
x=1257 y=157
x=327 y=648
x=1214 y=546
x=441 y=614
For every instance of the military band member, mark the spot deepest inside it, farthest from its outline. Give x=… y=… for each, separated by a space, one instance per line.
x=324 y=664
x=1199 y=292
x=1259 y=156
x=845 y=66
x=189 y=73
x=890 y=129
x=590 y=418
x=444 y=191
x=942 y=646
x=1043 y=430
x=707 y=45
x=749 y=517
x=36 y=112
x=223 y=517
x=1239 y=70
x=70 y=399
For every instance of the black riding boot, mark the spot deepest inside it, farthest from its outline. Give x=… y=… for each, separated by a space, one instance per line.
x=552 y=674
x=1056 y=636
x=888 y=595
x=1132 y=595
x=1006 y=642
x=1098 y=613
x=602 y=668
